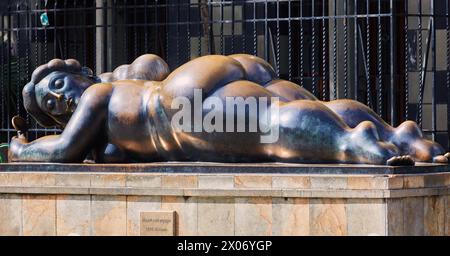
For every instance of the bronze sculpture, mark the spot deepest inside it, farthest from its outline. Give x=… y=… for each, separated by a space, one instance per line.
x=125 y=116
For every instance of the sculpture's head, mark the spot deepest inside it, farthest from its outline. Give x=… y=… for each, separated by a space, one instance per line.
x=55 y=90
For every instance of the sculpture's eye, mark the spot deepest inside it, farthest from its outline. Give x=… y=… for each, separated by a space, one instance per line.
x=50 y=104
x=59 y=84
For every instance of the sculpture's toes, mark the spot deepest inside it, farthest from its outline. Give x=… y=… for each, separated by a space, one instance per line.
x=400 y=161
x=447 y=155
x=88 y=161
x=441 y=159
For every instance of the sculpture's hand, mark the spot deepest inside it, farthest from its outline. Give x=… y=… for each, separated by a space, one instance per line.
x=20 y=124
x=16 y=147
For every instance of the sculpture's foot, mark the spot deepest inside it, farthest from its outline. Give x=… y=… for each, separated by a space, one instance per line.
x=423 y=150
x=440 y=159
x=409 y=138
x=365 y=147
x=400 y=161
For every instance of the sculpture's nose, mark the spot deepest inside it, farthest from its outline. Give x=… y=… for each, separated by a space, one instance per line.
x=58 y=96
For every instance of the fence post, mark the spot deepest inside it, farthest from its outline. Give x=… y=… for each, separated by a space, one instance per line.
x=393 y=61
x=100 y=36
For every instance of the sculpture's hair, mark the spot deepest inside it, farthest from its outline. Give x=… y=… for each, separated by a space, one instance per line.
x=28 y=92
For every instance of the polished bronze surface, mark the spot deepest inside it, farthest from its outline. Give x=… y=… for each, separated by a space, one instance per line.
x=126 y=116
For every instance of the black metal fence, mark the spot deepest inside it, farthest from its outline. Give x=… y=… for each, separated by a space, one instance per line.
x=392 y=55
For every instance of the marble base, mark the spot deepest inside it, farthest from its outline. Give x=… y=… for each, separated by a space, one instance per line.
x=54 y=200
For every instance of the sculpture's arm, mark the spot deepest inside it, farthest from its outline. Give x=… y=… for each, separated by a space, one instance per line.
x=77 y=138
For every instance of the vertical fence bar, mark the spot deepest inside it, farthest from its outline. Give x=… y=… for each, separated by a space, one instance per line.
x=199 y=46
x=36 y=49
x=368 y=84
x=345 y=51
x=433 y=72
x=55 y=33
x=85 y=33
x=266 y=35
x=212 y=44
x=8 y=72
x=29 y=38
x=9 y=79
x=125 y=28
x=420 y=62
x=55 y=30
x=27 y=52
x=289 y=41
x=393 y=63
x=324 y=54
x=65 y=52
x=114 y=35
x=188 y=32
x=77 y=30
x=135 y=30
x=157 y=43
x=232 y=26
x=17 y=46
x=313 y=49
x=94 y=37
x=146 y=26
x=244 y=27
x=335 y=20
x=379 y=64
x=406 y=47
x=447 y=43
x=45 y=41
x=177 y=29
x=301 y=44
x=167 y=29
x=255 y=31
x=355 y=50
x=105 y=36
x=221 y=27
x=278 y=40
x=2 y=72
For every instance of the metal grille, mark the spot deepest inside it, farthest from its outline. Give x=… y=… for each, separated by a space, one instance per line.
x=393 y=56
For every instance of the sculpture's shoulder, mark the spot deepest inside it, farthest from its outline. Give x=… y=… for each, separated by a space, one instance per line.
x=98 y=93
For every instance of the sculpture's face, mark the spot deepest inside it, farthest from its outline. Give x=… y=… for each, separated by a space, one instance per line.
x=58 y=94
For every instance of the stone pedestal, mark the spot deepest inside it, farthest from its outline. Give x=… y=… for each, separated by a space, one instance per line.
x=225 y=199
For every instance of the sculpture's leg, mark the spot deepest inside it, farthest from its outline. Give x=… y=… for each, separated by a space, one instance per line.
x=311 y=132
x=407 y=136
